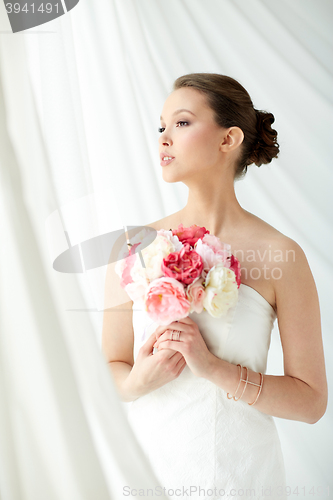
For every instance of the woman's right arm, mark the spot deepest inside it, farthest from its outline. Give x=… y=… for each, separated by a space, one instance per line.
x=150 y=371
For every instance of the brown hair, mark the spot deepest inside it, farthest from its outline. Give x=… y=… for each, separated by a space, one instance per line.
x=233 y=107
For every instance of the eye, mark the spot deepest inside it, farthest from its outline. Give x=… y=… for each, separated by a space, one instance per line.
x=180 y=123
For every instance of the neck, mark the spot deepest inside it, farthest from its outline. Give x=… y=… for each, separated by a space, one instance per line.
x=213 y=205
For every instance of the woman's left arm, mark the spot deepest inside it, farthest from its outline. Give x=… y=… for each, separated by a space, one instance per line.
x=301 y=393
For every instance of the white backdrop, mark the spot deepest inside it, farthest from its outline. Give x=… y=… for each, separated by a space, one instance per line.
x=82 y=97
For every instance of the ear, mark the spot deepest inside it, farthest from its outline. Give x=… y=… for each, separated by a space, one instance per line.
x=232 y=138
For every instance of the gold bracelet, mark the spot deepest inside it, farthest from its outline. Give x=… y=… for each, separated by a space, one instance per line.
x=247 y=381
x=260 y=388
x=231 y=397
x=241 y=380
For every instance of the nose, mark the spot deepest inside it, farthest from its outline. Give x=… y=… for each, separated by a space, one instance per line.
x=165 y=140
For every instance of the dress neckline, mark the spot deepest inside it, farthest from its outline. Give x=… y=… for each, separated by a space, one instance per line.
x=260 y=297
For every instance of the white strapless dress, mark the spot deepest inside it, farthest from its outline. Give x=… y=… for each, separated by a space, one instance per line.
x=192 y=434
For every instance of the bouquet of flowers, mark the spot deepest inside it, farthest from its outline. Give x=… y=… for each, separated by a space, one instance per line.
x=187 y=270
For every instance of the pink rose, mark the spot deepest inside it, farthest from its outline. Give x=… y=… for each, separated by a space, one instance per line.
x=236 y=268
x=196 y=294
x=189 y=235
x=166 y=301
x=184 y=266
x=209 y=257
x=223 y=250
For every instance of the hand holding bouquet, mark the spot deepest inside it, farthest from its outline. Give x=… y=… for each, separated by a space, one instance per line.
x=187 y=270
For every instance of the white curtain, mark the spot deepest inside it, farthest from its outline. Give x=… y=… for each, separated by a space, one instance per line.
x=80 y=100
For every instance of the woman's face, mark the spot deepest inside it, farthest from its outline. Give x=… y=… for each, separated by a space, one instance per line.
x=189 y=135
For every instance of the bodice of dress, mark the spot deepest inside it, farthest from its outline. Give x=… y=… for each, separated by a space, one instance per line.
x=191 y=433
x=242 y=336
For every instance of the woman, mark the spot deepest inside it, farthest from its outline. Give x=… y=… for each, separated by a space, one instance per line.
x=201 y=441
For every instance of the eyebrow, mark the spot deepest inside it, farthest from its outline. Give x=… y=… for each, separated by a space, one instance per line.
x=179 y=111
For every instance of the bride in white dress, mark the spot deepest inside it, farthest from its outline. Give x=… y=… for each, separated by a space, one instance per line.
x=201 y=442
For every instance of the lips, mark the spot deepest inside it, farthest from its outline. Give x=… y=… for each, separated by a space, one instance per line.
x=164 y=154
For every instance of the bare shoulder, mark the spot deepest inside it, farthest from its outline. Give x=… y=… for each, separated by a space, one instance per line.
x=286 y=250
x=266 y=256
x=295 y=276
x=262 y=235
x=290 y=275
x=292 y=270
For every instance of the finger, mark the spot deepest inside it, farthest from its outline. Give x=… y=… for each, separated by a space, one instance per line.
x=170 y=344
x=167 y=335
x=177 y=325
x=161 y=329
x=148 y=345
x=177 y=356
x=187 y=321
x=181 y=367
x=168 y=353
x=163 y=335
x=180 y=359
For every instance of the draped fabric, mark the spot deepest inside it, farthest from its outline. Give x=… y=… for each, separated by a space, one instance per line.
x=80 y=99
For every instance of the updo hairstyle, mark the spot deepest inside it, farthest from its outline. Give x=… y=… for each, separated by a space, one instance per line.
x=233 y=107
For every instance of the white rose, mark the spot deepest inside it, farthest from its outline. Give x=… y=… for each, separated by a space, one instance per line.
x=172 y=238
x=221 y=291
x=137 y=291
